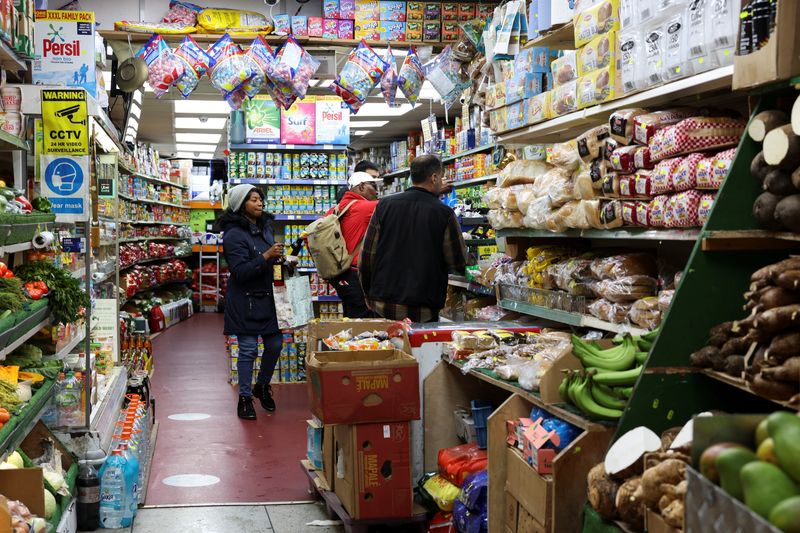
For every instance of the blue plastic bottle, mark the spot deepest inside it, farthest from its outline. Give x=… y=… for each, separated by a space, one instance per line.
x=131 y=485
x=113 y=495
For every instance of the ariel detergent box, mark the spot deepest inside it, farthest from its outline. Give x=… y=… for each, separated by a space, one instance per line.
x=332 y=121
x=262 y=120
x=65 y=49
x=298 y=123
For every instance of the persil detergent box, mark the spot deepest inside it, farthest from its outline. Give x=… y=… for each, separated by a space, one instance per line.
x=333 y=121
x=65 y=49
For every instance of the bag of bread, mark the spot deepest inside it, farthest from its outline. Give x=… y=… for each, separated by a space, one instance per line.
x=621 y=124
x=590 y=143
x=521 y=171
x=610 y=187
x=567 y=216
x=661 y=178
x=704 y=210
x=616 y=313
x=625 y=265
x=622 y=159
x=537 y=213
x=582 y=186
x=627 y=185
x=721 y=164
x=645 y=313
x=665 y=299
x=509 y=201
x=685 y=175
x=641 y=158
x=704 y=176
x=657 y=211
x=626 y=289
x=611 y=214
x=591 y=213
x=684 y=208
x=492 y=198
x=525 y=194
x=560 y=190
x=564 y=155
x=598 y=170
x=647 y=124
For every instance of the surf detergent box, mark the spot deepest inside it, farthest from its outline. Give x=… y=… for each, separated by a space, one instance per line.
x=298 y=123
x=65 y=49
x=332 y=121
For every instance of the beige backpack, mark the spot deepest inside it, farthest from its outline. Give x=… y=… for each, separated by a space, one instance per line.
x=327 y=246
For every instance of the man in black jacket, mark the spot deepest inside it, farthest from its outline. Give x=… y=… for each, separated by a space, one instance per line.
x=413 y=241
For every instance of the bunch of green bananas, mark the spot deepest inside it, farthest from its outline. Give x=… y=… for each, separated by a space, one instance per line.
x=594 y=398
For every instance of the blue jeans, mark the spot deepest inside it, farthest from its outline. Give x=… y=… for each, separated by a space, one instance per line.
x=248 y=351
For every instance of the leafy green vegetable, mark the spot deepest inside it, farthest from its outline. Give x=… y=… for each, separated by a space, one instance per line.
x=42 y=204
x=66 y=296
x=28 y=350
x=11 y=297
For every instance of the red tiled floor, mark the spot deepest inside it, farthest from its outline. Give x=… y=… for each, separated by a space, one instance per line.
x=256 y=461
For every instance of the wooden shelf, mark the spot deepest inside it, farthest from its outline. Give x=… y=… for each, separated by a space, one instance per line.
x=741 y=384
x=561 y=38
x=644 y=234
x=737 y=240
x=567 y=317
x=570 y=125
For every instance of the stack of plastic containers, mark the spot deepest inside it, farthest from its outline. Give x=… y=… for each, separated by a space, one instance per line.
x=481 y=409
x=122 y=476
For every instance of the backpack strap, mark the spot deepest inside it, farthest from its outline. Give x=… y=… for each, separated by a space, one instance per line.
x=341 y=214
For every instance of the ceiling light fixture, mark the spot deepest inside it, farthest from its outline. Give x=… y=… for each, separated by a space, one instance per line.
x=183 y=147
x=367 y=123
x=194 y=155
x=210 y=138
x=204 y=107
x=375 y=109
x=361 y=133
x=196 y=123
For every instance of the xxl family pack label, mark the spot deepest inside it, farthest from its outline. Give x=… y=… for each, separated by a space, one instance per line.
x=65 y=49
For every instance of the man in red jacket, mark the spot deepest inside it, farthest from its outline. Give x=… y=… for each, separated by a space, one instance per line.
x=363 y=193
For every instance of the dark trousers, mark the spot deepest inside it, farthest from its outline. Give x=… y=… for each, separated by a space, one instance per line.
x=248 y=351
x=348 y=287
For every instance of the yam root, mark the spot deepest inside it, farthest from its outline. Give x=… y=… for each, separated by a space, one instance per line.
x=777 y=319
x=759 y=168
x=782 y=148
x=764 y=210
x=773 y=390
x=741 y=327
x=705 y=357
x=770 y=297
x=756 y=362
x=602 y=492
x=654 y=459
x=736 y=345
x=785 y=344
x=667 y=436
x=779 y=182
x=795 y=117
x=673 y=514
x=717 y=341
x=734 y=365
x=789 y=280
x=722 y=330
x=670 y=472
x=795 y=178
x=788 y=371
x=629 y=503
x=770 y=272
x=787 y=213
x=765 y=122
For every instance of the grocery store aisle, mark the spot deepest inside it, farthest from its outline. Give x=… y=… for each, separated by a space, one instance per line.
x=205 y=454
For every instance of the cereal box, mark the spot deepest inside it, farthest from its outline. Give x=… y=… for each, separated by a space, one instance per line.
x=466 y=12
x=282 y=24
x=330 y=29
x=300 y=26
x=433 y=11
x=64 y=55
x=449 y=11
x=298 y=123
x=415 y=11
x=367 y=29
x=333 y=121
x=393 y=31
x=414 y=31
x=330 y=9
x=347 y=9
x=367 y=10
x=345 y=29
x=315 y=26
x=450 y=31
x=393 y=10
x=431 y=31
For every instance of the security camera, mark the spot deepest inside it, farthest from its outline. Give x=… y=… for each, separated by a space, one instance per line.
x=203 y=119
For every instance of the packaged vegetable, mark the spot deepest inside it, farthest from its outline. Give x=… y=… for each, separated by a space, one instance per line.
x=292 y=70
x=389 y=80
x=411 y=76
x=444 y=73
x=229 y=70
x=163 y=67
x=599 y=53
x=215 y=20
x=181 y=12
x=601 y=18
x=165 y=28
x=195 y=65
x=363 y=70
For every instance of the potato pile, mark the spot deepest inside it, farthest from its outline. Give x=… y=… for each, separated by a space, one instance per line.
x=763 y=347
x=642 y=471
x=777 y=168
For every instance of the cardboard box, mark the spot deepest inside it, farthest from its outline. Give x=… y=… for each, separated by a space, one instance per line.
x=554 y=13
x=328 y=457
x=654 y=523
x=330 y=29
x=374 y=465
x=394 y=10
x=393 y=31
x=298 y=123
x=450 y=31
x=315 y=26
x=332 y=120
x=433 y=11
x=363 y=386
x=367 y=10
x=59 y=61
x=449 y=11
x=431 y=31
x=345 y=29
x=367 y=29
x=778 y=60
x=314 y=436
x=347 y=9
x=300 y=26
x=25 y=485
x=466 y=12
x=415 y=11
x=330 y=9
x=413 y=31
x=482 y=11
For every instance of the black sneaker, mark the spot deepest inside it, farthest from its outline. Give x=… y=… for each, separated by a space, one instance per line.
x=246 y=410
x=264 y=393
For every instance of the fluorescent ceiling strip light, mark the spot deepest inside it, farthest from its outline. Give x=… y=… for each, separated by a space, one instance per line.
x=194 y=123
x=202 y=107
x=183 y=147
x=367 y=123
x=210 y=138
x=376 y=109
x=361 y=133
x=193 y=155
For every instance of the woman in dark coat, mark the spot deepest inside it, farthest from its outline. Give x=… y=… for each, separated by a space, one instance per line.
x=251 y=252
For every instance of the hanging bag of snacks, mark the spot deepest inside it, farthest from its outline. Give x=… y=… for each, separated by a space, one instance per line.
x=163 y=66
x=411 y=76
x=195 y=64
x=291 y=72
x=229 y=69
x=361 y=73
x=389 y=80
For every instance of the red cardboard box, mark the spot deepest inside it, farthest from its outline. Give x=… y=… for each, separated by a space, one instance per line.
x=466 y=12
x=449 y=11
x=363 y=386
x=484 y=10
x=315 y=26
x=450 y=31
x=375 y=460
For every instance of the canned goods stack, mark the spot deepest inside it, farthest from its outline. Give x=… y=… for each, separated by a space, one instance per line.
x=287 y=166
x=300 y=199
x=291 y=367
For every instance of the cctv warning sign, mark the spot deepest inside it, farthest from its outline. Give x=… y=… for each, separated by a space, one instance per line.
x=65 y=122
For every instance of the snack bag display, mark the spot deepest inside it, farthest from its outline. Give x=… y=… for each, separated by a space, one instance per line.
x=166 y=28
x=292 y=71
x=220 y=20
x=261 y=55
x=229 y=69
x=411 y=76
x=363 y=70
x=195 y=65
x=444 y=73
x=182 y=13
x=389 y=80
x=163 y=66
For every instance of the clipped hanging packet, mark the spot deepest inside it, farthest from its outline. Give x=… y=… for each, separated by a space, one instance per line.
x=444 y=73
x=163 y=66
x=361 y=73
x=195 y=64
x=411 y=76
x=291 y=72
x=389 y=80
x=229 y=70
